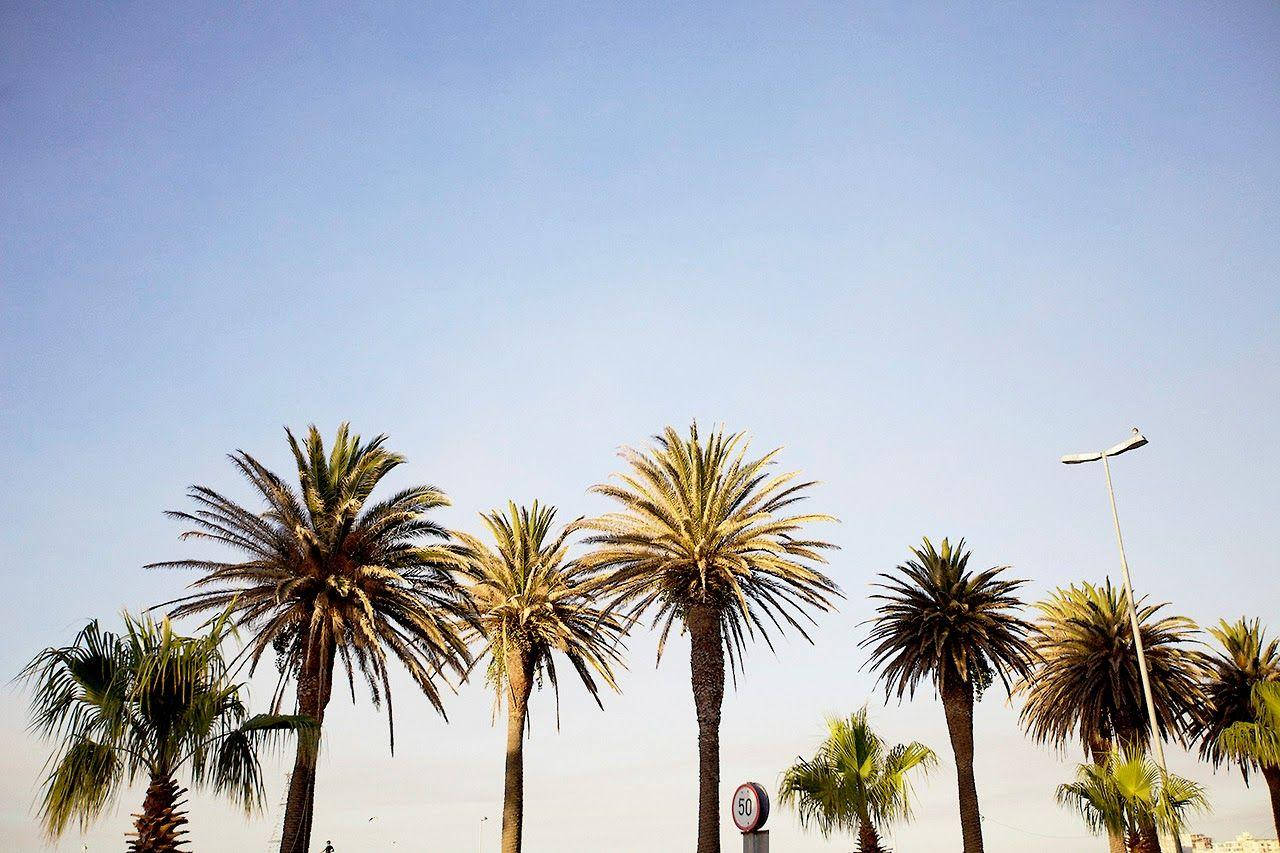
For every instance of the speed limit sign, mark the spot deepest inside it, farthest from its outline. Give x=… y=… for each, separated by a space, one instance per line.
x=750 y=807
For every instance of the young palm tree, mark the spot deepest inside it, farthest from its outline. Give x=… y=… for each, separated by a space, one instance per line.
x=147 y=702
x=959 y=629
x=1086 y=683
x=1126 y=796
x=1236 y=681
x=855 y=782
x=530 y=602
x=324 y=576
x=702 y=538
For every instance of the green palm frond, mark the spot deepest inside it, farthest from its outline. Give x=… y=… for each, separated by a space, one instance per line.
x=1233 y=674
x=147 y=701
x=1086 y=684
x=323 y=574
x=702 y=524
x=940 y=621
x=1129 y=792
x=529 y=600
x=1257 y=741
x=854 y=777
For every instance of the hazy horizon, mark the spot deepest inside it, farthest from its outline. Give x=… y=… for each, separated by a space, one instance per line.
x=926 y=248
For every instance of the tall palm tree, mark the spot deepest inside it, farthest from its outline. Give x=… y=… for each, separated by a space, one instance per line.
x=148 y=701
x=703 y=538
x=1128 y=795
x=530 y=602
x=1237 y=679
x=855 y=782
x=327 y=576
x=959 y=629
x=1086 y=685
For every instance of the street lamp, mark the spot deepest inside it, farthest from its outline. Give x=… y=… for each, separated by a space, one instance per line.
x=1132 y=443
x=480 y=832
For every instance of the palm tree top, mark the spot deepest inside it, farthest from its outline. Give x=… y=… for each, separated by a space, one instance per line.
x=1086 y=680
x=939 y=621
x=702 y=524
x=1232 y=673
x=148 y=701
x=323 y=571
x=1129 y=790
x=529 y=598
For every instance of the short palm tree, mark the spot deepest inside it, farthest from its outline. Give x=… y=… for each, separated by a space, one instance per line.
x=1086 y=685
x=1129 y=796
x=855 y=782
x=940 y=622
x=148 y=701
x=704 y=538
x=326 y=575
x=530 y=601
x=1238 y=682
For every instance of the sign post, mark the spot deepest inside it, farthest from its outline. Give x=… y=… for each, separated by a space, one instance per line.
x=750 y=810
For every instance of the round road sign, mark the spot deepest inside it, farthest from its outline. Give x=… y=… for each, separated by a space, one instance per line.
x=750 y=807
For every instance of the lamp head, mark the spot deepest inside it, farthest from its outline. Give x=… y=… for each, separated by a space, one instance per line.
x=1133 y=442
x=1077 y=458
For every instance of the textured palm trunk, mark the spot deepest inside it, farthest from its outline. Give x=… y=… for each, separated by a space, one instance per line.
x=314 y=683
x=1146 y=839
x=158 y=829
x=521 y=682
x=957 y=703
x=706 y=665
x=1272 y=775
x=1101 y=751
x=868 y=838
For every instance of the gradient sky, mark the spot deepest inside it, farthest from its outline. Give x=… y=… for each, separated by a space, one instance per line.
x=928 y=248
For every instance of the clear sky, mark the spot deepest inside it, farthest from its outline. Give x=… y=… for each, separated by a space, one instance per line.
x=928 y=248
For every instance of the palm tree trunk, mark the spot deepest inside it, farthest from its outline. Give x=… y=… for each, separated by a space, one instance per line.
x=868 y=838
x=1148 y=839
x=1272 y=775
x=706 y=664
x=957 y=704
x=521 y=682
x=314 y=683
x=1101 y=750
x=158 y=829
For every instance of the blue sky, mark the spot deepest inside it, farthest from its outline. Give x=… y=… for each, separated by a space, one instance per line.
x=926 y=247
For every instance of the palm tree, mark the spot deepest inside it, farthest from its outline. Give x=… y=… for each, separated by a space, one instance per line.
x=854 y=782
x=1086 y=683
x=1128 y=795
x=702 y=538
x=147 y=702
x=530 y=602
x=1237 y=682
x=324 y=576
x=959 y=629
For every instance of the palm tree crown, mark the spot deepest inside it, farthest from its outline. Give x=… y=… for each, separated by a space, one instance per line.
x=327 y=576
x=942 y=623
x=703 y=525
x=1086 y=682
x=704 y=537
x=855 y=781
x=1231 y=674
x=1130 y=796
x=148 y=701
x=529 y=602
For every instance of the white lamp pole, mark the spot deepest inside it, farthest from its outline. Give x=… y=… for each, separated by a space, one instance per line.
x=1133 y=442
x=480 y=832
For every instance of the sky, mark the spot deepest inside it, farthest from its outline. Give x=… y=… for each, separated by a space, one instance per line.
x=925 y=248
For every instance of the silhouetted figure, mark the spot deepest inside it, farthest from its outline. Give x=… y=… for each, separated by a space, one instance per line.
x=328 y=847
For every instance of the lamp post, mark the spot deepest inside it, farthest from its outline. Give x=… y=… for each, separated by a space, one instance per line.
x=1133 y=442
x=480 y=832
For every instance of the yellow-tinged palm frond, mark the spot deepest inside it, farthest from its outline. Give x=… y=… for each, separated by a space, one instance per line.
x=702 y=524
x=854 y=778
x=1233 y=674
x=148 y=702
x=1085 y=682
x=1128 y=793
x=326 y=575
x=529 y=599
